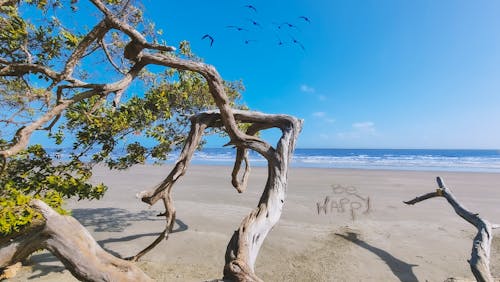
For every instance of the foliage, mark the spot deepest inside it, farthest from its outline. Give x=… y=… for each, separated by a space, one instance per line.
x=148 y=122
x=160 y=116
x=33 y=174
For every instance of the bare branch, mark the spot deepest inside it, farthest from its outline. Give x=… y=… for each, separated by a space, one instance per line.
x=217 y=89
x=129 y=30
x=19 y=69
x=108 y=56
x=170 y=221
x=480 y=256
x=198 y=124
x=423 y=198
x=241 y=155
x=95 y=34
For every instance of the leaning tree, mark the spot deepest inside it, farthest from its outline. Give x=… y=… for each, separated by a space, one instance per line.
x=101 y=87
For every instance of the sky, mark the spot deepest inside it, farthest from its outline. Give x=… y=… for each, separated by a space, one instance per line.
x=372 y=74
x=361 y=74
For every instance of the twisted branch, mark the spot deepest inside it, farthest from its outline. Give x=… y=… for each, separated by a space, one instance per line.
x=245 y=243
x=481 y=246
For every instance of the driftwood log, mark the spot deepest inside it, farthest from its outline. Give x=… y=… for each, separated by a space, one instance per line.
x=244 y=246
x=481 y=246
x=73 y=245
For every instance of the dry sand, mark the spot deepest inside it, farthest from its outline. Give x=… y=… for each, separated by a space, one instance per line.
x=390 y=242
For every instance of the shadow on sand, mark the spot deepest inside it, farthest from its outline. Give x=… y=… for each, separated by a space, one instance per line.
x=181 y=226
x=402 y=270
x=43 y=263
x=111 y=219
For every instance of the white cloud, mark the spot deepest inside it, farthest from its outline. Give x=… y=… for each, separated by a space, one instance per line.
x=359 y=129
x=366 y=126
x=307 y=89
x=323 y=116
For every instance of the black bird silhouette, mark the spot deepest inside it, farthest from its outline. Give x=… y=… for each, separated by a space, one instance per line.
x=278 y=25
x=280 y=42
x=238 y=28
x=250 y=41
x=210 y=38
x=289 y=25
x=251 y=7
x=295 y=41
x=305 y=19
x=254 y=23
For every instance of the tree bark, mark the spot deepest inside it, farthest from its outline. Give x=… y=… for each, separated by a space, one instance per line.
x=481 y=245
x=72 y=244
x=244 y=246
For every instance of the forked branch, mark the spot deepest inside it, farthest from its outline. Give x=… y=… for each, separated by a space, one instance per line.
x=481 y=246
x=243 y=249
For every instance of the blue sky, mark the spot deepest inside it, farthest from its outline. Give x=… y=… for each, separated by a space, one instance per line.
x=374 y=74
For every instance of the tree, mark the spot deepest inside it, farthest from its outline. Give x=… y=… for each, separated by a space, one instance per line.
x=47 y=84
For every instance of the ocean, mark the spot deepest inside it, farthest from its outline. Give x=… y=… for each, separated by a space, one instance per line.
x=391 y=159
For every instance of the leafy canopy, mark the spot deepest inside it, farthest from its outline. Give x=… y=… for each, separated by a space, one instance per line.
x=47 y=59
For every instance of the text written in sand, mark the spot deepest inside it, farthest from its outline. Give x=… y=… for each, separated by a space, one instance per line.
x=344 y=199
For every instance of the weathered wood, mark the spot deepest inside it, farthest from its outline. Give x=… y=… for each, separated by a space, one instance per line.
x=481 y=246
x=244 y=246
x=73 y=245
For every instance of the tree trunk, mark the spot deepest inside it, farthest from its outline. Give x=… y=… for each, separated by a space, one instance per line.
x=72 y=244
x=244 y=246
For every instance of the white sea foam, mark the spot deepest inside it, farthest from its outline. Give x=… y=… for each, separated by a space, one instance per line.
x=439 y=160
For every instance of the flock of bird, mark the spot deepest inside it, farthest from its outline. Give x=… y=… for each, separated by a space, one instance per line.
x=279 y=28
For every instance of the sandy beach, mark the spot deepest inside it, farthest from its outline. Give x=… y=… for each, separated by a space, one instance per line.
x=364 y=233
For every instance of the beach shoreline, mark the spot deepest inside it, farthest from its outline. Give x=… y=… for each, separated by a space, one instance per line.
x=364 y=224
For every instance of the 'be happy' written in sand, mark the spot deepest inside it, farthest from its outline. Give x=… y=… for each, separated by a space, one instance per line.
x=344 y=199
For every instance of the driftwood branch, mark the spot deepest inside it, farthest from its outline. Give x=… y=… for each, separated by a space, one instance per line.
x=241 y=156
x=481 y=246
x=73 y=245
x=244 y=246
x=164 y=189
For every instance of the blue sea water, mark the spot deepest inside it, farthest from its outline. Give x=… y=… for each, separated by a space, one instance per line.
x=400 y=159
x=393 y=159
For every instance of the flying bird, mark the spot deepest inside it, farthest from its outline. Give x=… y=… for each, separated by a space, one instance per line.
x=250 y=41
x=254 y=23
x=295 y=41
x=278 y=25
x=209 y=38
x=305 y=19
x=280 y=42
x=251 y=7
x=238 y=28
x=289 y=25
